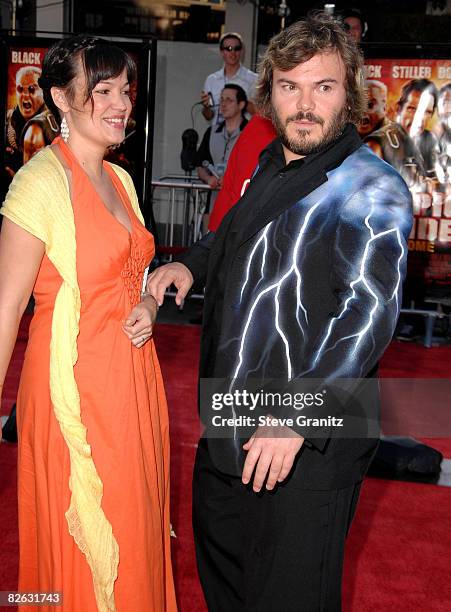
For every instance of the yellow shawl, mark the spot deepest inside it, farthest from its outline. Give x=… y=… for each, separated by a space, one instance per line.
x=38 y=201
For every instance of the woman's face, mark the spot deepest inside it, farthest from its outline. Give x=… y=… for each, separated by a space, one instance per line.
x=104 y=120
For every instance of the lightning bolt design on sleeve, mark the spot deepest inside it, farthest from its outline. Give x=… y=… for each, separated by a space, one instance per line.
x=362 y=279
x=263 y=238
x=276 y=287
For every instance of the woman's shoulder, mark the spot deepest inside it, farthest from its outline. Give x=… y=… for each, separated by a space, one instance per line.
x=38 y=196
x=40 y=185
x=42 y=168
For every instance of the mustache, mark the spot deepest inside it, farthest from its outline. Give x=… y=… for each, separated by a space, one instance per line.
x=301 y=116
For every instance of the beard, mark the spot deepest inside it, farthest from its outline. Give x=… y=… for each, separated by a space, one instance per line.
x=302 y=143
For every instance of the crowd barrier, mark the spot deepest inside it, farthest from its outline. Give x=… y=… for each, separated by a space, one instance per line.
x=183 y=201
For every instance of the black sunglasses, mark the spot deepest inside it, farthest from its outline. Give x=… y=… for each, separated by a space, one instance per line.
x=232 y=48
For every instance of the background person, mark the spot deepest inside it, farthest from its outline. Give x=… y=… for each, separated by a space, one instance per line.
x=218 y=142
x=92 y=526
x=354 y=24
x=232 y=71
x=243 y=161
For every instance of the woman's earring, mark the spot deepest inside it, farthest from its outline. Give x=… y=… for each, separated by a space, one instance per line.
x=64 y=129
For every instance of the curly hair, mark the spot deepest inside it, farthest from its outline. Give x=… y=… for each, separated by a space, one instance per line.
x=100 y=59
x=318 y=33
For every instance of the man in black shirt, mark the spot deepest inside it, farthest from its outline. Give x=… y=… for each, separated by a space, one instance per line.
x=303 y=283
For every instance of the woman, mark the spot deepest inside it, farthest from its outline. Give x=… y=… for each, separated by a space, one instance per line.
x=92 y=415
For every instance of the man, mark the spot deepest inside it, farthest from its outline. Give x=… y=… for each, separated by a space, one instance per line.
x=388 y=139
x=303 y=281
x=231 y=48
x=354 y=24
x=243 y=161
x=218 y=142
x=415 y=108
x=30 y=125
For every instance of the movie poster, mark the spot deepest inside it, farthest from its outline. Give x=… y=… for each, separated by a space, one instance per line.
x=408 y=124
x=29 y=124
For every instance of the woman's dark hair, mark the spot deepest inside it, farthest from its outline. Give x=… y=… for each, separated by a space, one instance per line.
x=100 y=59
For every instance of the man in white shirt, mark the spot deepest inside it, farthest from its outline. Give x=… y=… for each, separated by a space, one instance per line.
x=231 y=46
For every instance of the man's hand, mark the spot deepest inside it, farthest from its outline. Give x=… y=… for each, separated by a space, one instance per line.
x=205 y=98
x=215 y=183
x=271 y=452
x=207 y=111
x=162 y=278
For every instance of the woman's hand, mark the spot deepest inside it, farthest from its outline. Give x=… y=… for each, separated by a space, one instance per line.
x=139 y=323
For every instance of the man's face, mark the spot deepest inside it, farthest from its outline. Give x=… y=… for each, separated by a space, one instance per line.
x=416 y=112
x=444 y=108
x=29 y=94
x=308 y=104
x=353 y=27
x=231 y=51
x=377 y=101
x=228 y=104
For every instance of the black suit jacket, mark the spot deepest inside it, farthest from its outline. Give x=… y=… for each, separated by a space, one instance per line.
x=303 y=280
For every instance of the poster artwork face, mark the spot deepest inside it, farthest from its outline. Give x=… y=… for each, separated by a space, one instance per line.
x=29 y=124
x=408 y=124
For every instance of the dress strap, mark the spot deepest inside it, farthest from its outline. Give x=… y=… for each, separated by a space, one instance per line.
x=65 y=150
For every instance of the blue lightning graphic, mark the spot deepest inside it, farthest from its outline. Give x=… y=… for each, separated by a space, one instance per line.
x=263 y=238
x=398 y=268
x=362 y=279
x=277 y=286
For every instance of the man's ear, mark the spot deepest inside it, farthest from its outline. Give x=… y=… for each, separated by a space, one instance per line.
x=59 y=98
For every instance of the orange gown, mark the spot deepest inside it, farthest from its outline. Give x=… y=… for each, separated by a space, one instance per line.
x=124 y=409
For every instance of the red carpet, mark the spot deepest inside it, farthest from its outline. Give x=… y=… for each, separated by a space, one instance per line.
x=398 y=550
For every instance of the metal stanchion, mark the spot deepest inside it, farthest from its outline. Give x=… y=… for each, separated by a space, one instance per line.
x=177 y=185
x=174 y=184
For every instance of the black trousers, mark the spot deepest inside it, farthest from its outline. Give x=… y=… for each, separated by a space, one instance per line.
x=279 y=551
